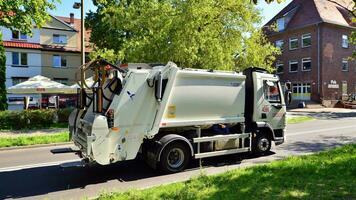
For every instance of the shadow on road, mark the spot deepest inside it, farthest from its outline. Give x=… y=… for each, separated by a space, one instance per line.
x=44 y=180
x=322 y=143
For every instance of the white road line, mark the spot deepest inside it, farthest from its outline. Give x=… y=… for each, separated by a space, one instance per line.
x=47 y=164
x=321 y=130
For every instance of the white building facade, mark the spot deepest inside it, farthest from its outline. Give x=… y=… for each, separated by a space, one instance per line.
x=23 y=61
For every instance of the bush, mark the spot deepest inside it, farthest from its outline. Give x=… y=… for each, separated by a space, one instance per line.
x=26 y=119
x=63 y=114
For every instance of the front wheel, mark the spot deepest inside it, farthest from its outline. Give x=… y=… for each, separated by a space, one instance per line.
x=262 y=144
x=175 y=157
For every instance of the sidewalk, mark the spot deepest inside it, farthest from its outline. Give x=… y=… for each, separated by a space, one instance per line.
x=323 y=113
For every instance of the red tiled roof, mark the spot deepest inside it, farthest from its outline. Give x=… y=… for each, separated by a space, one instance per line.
x=26 y=45
x=315 y=11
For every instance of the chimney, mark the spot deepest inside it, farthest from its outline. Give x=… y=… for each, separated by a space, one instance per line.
x=71 y=20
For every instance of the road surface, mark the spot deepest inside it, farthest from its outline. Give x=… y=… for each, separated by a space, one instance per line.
x=38 y=174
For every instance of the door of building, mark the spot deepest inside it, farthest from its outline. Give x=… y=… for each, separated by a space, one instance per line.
x=301 y=91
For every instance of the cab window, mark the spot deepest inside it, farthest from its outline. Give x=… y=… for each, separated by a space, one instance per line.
x=271 y=91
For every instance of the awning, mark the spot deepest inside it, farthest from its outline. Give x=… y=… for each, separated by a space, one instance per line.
x=40 y=85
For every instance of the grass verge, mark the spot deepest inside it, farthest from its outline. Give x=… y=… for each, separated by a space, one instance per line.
x=24 y=140
x=326 y=175
x=299 y=119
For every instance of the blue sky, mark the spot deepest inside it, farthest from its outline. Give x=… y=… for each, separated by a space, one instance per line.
x=66 y=7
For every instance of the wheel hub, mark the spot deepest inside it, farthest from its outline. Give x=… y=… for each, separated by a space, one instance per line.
x=175 y=158
x=263 y=144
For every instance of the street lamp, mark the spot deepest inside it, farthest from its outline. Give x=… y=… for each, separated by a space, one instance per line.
x=80 y=5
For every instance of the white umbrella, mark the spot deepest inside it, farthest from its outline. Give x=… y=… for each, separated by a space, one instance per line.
x=39 y=85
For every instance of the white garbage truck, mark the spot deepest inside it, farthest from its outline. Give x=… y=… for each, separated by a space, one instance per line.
x=170 y=115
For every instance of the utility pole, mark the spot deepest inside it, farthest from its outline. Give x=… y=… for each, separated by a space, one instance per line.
x=80 y=5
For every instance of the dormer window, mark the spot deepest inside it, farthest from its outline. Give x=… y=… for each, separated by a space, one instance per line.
x=280 y=24
x=59 y=39
x=17 y=35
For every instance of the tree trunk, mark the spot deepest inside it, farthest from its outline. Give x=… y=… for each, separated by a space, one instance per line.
x=3 y=99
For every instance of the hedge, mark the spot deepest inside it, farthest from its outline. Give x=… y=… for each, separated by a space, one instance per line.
x=32 y=119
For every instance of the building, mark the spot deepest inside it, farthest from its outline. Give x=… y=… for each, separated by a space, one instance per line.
x=52 y=51
x=313 y=36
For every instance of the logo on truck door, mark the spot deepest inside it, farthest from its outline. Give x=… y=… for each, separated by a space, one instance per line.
x=265 y=108
x=131 y=95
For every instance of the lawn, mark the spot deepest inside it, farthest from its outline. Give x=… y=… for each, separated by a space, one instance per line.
x=326 y=175
x=24 y=140
x=299 y=119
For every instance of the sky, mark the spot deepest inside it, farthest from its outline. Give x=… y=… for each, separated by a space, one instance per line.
x=66 y=7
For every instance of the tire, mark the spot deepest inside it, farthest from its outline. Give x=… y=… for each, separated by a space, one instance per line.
x=262 y=144
x=175 y=157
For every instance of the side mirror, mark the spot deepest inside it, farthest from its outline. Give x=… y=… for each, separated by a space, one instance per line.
x=288 y=97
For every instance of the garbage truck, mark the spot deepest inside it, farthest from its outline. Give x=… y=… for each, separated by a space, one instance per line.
x=170 y=116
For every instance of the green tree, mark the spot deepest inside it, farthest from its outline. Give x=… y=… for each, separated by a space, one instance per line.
x=19 y=15
x=219 y=34
x=3 y=101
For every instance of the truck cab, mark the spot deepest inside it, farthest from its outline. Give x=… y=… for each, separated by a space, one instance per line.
x=267 y=114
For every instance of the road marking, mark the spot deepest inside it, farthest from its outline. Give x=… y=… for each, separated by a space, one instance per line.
x=47 y=164
x=320 y=130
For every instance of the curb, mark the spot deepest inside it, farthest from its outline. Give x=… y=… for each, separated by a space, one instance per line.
x=33 y=146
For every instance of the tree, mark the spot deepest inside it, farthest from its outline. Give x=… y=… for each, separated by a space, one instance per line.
x=19 y=15
x=195 y=33
x=3 y=101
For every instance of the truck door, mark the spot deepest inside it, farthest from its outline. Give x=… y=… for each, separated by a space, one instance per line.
x=270 y=103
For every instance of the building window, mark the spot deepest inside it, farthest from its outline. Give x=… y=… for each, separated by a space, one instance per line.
x=61 y=80
x=293 y=66
x=59 y=61
x=17 y=80
x=280 y=24
x=280 y=44
x=306 y=64
x=59 y=39
x=17 y=35
x=293 y=43
x=306 y=40
x=345 y=65
x=279 y=68
x=19 y=59
x=345 y=41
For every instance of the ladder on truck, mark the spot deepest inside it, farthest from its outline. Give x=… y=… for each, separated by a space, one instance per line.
x=240 y=149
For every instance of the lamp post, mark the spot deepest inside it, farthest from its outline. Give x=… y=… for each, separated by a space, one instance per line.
x=80 y=5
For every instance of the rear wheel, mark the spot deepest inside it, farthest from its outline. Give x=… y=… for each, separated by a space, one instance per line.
x=175 y=157
x=262 y=144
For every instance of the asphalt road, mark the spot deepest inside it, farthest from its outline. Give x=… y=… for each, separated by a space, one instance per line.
x=39 y=174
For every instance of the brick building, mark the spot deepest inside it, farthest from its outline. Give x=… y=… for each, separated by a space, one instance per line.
x=314 y=38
